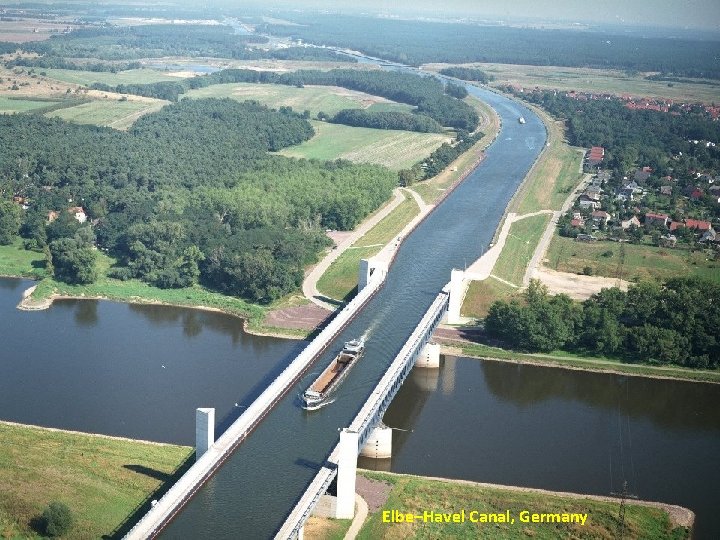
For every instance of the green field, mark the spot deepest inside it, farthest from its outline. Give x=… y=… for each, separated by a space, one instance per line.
x=637 y=262
x=328 y=99
x=107 y=112
x=341 y=278
x=481 y=294
x=519 y=248
x=101 y=480
x=597 y=80
x=416 y=495
x=394 y=149
x=130 y=76
x=9 y=105
x=17 y=261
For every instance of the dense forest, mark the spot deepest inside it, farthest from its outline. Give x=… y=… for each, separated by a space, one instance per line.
x=427 y=94
x=189 y=193
x=672 y=323
x=421 y=42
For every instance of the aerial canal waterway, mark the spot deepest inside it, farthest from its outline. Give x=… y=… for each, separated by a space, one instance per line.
x=140 y=371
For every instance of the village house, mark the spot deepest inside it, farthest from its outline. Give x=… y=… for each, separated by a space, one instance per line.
x=633 y=221
x=77 y=212
x=666 y=190
x=657 y=219
x=600 y=217
x=694 y=224
x=586 y=202
x=641 y=176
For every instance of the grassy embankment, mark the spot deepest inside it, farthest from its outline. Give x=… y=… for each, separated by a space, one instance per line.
x=340 y=280
x=416 y=495
x=102 y=480
x=606 y=81
x=631 y=262
x=548 y=184
x=568 y=360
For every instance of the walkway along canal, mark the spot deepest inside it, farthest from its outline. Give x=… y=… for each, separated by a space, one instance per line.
x=259 y=484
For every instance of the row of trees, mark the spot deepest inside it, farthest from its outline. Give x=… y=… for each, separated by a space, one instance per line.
x=387 y=120
x=672 y=323
x=467 y=74
x=189 y=194
x=439 y=159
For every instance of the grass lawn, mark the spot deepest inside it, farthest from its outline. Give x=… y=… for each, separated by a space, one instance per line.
x=554 y=175
x=592 y=363
x=328 y=99
x=326 y=528
x=10 y=105
x=130 y=76
x=638 y=262
x=17 y=261
x=481 y=294
x=394 y=149
x=109 y=113
x=341 y=278
x=101 y=480
x=412 y=494
x=519 y=248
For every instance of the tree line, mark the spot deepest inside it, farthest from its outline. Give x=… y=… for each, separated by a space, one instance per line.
x=671 y=323
x=189 y=194
x=467 y=74
x=387 y=120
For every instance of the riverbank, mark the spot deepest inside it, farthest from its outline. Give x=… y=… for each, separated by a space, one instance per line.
x=575 y=362
x=102 y=479
x=416 y=495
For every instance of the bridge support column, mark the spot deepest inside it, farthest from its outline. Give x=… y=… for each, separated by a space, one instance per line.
x=379 y=444
x=204 y=431
x=457 y=295
x=368 y=270
x=429 y=356
x=347 y=469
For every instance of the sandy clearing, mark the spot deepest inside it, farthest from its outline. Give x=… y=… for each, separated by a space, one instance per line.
x=576 y=286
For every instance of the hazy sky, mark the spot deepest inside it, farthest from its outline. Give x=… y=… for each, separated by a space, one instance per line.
x=678 y=13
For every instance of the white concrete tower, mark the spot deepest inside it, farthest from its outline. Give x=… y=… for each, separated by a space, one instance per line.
x=204 y=430
x=347 y=469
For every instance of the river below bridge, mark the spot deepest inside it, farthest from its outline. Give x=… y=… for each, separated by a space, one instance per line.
x=140 y=371
x=97 y=367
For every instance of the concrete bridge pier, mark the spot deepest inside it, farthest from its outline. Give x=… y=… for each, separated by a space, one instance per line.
x=347 y=469
x=204 y=430
x=370 y=269
x=429 y=356
x=379 y=443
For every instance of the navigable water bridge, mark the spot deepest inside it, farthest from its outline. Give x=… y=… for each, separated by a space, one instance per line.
x=267 y=485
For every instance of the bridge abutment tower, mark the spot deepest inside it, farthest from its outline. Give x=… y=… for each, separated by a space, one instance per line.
x=204 y=430
x=370 y=269
x=457 y=295
x=347 y=469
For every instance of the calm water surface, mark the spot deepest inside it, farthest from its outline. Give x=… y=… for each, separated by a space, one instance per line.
x=128 y=370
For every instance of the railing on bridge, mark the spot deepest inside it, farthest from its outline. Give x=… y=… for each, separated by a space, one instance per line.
x=177 y=496
x=370 y=414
